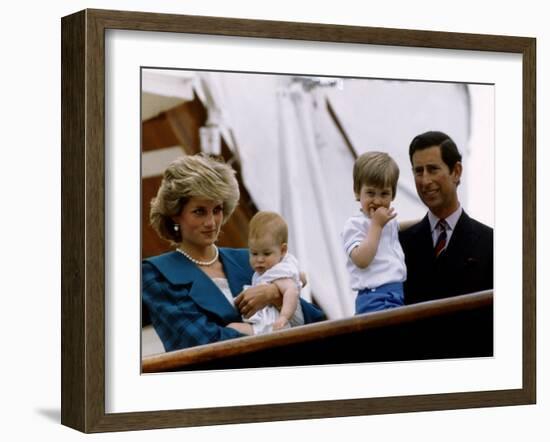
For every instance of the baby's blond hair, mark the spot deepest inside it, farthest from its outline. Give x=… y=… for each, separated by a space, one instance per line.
x=268 y=223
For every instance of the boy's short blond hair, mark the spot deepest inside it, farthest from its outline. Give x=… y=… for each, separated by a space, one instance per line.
x=375 y=169
x=268 y=223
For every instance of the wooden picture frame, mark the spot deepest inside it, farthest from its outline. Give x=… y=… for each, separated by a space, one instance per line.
x=83 y=219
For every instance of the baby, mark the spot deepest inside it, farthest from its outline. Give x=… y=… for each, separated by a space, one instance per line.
x=267 y=243
x=376 y=262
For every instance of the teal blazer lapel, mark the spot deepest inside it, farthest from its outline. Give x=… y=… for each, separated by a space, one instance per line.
x=237 y=269
x=178 y=270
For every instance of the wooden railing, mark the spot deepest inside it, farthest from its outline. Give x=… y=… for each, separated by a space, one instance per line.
x=461 y=326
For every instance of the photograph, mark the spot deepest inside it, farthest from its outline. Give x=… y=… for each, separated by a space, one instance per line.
x=289 y=219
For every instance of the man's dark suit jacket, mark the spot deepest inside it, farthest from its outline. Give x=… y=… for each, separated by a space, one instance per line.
x=465 y=266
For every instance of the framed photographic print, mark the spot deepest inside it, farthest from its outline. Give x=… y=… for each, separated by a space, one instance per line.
x=289 y=107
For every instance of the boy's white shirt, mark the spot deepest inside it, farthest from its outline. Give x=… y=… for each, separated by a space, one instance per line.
x=388 y=265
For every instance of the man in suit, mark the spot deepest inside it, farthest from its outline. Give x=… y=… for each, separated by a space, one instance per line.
x=447 y=253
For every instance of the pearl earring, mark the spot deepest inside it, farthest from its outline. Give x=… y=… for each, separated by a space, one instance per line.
x=176 y=228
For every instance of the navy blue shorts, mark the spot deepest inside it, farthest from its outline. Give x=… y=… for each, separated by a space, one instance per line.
x=380 y=298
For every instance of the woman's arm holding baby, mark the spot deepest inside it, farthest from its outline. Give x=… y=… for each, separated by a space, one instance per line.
x=256 y=298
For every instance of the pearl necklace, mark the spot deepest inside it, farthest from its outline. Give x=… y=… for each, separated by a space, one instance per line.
x=196 y=261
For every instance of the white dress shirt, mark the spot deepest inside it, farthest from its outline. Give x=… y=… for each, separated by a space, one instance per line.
x=451 y=221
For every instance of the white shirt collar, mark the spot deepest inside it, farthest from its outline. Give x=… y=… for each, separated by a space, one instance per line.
x=452 y=219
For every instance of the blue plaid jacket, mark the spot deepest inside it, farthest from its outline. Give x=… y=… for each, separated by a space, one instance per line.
x=187 y=308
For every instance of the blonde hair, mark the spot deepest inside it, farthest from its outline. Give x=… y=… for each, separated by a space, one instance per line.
x=189 y=176
x=375 y=169
x=268 y=223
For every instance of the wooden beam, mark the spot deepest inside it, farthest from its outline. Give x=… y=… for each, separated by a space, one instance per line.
x=298 y=345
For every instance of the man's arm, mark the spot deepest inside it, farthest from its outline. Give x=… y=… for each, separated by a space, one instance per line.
x=404 y=225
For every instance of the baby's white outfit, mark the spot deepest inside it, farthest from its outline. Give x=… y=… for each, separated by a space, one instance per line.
x=262 y=321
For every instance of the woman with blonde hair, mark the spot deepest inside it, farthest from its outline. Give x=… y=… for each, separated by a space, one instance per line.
x=194 y=294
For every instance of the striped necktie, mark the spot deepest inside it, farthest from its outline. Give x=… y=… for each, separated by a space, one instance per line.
x=442 y=238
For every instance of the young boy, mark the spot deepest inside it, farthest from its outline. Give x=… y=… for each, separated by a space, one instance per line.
x=375 y=259
x=267 y=243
